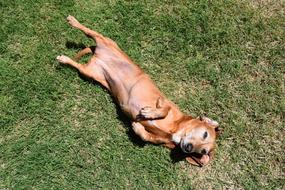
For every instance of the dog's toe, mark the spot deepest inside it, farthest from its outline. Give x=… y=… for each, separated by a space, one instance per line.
x=63 y=59
x=147 y=112
x=72 y=21
x=70 y=18
x=58 y=58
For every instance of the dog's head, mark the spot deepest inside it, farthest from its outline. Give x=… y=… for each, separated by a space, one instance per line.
x=197 y=138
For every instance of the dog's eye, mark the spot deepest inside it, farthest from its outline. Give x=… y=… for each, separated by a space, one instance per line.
x=205 y=135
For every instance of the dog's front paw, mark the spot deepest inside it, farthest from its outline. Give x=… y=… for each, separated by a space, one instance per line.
x=148 y=112
x=63 y=59
x=138 y=128
x=72 y=21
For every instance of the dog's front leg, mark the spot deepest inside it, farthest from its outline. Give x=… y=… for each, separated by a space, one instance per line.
x=139 y=129
x=158 y=112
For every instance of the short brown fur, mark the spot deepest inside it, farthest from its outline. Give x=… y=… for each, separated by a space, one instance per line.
x=154 y=118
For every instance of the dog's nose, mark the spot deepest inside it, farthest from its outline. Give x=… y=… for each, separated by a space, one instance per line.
x=203 y=151
x=189 y=147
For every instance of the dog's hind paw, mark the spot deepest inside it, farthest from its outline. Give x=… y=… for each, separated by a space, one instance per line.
x=72 y=21
x=63 y=59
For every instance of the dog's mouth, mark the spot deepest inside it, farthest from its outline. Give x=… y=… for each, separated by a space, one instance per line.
x=194 y=158
x=198 y=159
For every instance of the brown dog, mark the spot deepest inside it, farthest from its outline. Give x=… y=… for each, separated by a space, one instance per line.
x=154 y=118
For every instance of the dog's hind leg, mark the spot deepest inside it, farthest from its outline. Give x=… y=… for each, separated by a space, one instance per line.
x=99 y=38
x=83 y=52
x=90 y=70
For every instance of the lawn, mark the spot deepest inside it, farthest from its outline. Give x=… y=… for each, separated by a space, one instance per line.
x=223 y=59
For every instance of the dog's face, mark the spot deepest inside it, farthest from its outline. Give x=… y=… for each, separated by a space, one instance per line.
x=197 y=136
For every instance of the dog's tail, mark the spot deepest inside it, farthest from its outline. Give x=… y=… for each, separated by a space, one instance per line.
x=83 y=52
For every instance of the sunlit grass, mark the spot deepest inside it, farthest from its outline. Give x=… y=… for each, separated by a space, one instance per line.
x=223 y=59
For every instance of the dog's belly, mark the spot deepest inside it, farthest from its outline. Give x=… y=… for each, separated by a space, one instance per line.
x=129 y=85
x=143 y=93
x=134 y=94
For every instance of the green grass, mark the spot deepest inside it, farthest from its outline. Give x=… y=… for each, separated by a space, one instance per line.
x=224 y=59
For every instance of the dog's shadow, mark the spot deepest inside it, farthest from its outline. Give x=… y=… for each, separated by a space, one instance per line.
x=176 y=154
x=73 y=45
x=135 y=139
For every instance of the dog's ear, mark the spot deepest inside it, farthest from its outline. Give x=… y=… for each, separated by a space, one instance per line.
x=218 y=131
x=209 y=121
x=212 y=123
